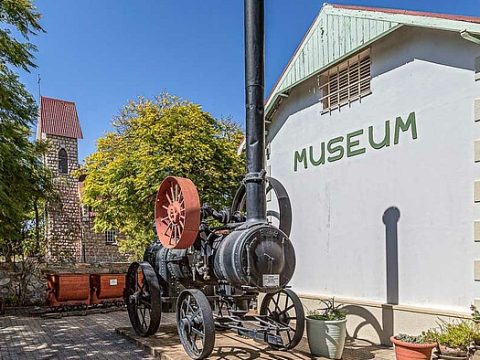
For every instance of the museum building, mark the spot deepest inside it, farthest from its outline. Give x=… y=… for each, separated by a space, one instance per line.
x=373 y=127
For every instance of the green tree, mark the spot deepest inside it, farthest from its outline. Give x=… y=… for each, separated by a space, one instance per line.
x=24 y=182
x=153 y=139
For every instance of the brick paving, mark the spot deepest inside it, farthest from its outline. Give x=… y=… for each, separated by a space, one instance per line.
x=229 y=346
x=94 y=337
x=71 y=337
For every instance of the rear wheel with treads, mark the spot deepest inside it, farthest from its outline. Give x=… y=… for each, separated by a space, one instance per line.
x=142 y=296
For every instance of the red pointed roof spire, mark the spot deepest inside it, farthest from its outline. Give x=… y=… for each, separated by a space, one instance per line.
x=59 y=117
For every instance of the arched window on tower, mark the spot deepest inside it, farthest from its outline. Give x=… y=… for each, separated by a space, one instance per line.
x=62 y=162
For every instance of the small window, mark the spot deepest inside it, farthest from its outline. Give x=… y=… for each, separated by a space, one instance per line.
x=86 y=212
x=346 y=82
x=62 y=161
x=111 y=237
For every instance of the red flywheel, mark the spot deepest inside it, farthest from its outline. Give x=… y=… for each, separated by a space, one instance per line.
x=177 y=212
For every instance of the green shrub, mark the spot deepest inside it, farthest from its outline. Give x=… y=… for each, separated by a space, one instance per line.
x=418 y=339
x=10 y=300
x=456 y=335
x=330 y=312
x=475 y=313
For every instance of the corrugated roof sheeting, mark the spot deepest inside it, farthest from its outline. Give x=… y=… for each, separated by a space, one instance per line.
x=59 y=117
x=339 y=31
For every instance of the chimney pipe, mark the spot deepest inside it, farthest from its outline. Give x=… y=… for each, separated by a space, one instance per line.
x=254 y=96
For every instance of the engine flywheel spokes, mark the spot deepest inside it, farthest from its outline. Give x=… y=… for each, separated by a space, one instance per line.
x=177 y=212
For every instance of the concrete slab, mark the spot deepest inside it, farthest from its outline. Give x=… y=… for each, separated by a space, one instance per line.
x=165 y=344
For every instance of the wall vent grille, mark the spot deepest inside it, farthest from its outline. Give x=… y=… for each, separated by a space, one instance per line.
x=346 y=82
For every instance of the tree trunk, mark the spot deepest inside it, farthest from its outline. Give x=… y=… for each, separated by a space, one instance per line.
x=37 y=227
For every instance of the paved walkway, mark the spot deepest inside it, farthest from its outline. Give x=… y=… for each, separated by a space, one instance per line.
x=229 y=346
x=94 y=337
x=165 y=344
x=72 y=337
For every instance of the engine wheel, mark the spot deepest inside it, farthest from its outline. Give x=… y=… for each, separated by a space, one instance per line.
x=281 y=218
x=195 y=324
x=285 y=309
x=177 y=213
x=142 y=296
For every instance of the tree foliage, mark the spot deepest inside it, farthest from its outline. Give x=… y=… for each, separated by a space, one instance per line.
x=24 y=182
x=16 y=104
x=153 y=139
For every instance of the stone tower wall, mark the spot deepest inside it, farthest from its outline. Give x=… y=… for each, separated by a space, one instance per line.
x=94 y=246
x=63 y=216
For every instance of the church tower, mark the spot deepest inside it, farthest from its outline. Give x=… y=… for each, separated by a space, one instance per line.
x=59 y=125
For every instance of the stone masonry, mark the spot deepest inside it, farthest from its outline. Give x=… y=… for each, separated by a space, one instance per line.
x=94 y=246
x=69 y=230
x=63 y=216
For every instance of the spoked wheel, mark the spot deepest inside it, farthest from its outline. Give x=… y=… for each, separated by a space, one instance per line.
x=285 y=309
x=281 y=218
x=142 y=296
x=195 y=324
x=177 y=213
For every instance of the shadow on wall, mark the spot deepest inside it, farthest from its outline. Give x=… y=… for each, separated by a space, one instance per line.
x=385 y=329
x=391 y=216
x=369 y=319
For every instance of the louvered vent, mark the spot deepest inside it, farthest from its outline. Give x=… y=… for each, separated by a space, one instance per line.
x=346 y=82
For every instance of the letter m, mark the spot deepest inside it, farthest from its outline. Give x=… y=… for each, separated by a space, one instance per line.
x=404 y=126
x=300 y=157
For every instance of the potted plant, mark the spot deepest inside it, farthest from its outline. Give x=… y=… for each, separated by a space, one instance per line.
x=327 y=330
x=476 y=320
x=409 y=347
x=475 y=314
x=455 y=340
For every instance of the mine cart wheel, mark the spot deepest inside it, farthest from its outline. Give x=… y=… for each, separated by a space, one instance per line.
x=142 y=296
x=284 y=215
x=285 y=308
x=177 y=213
x=195 y=324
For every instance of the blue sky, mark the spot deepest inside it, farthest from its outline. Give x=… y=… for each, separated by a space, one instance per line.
x=102 y=53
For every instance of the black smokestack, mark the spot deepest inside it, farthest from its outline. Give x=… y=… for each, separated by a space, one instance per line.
x=254 y=90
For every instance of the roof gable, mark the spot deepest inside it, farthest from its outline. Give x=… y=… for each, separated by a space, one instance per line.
x=59 y=117
x=340 y=31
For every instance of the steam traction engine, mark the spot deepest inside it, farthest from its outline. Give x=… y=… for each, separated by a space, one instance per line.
x=210 y=266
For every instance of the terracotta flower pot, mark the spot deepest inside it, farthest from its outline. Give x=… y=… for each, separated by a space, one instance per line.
x=409 y=351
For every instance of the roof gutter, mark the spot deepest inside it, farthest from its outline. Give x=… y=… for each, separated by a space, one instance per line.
x=473 y=37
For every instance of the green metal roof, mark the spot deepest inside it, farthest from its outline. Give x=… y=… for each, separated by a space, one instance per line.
x=340 y=31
